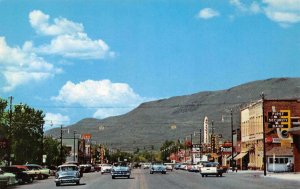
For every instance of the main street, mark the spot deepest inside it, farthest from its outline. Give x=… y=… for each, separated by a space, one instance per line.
x=141 y=179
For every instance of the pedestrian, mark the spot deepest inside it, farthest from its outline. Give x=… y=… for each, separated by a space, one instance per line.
x=290 y=166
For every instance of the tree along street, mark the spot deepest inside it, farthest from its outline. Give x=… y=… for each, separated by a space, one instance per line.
x=141 y=179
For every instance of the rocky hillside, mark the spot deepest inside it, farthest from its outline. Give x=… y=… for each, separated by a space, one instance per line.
x=178 y=117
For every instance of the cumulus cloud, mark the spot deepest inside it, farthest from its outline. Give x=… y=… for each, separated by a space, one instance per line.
x=207 y=13
x=19 y=67
x=284 y=12
x=53 y=120
x=69 y=39
x=109 y=98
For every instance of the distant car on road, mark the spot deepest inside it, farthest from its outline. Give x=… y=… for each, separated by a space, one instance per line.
x=67 y=174
x=158 y=168
x=120 y=171
x=169 y=166
x=211 y=168
x=106 y=168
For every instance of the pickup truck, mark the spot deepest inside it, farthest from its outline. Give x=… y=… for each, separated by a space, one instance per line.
x=211 y=168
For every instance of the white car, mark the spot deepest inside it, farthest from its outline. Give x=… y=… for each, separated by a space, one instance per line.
x=211 y=168
x=106 y=168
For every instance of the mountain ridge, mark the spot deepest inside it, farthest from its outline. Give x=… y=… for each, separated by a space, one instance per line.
x=151 y=123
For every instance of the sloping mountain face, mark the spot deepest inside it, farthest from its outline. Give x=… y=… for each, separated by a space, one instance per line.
x=178 y=117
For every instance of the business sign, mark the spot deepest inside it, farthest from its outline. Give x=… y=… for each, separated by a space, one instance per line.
x=205 y=130
x=279 y=119
x=86 y=136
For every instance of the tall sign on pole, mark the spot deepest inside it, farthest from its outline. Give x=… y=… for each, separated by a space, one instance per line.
x=205 y=131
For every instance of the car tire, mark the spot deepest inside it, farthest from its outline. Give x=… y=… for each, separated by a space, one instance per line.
x=202 y=175
x=57 y=184
x=113 y=177
x=30 y=180
x=78 y=182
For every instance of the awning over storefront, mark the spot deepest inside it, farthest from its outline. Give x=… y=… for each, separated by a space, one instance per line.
x=229 y=157
x=240 y=155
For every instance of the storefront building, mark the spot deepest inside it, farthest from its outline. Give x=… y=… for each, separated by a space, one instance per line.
x=281 y=142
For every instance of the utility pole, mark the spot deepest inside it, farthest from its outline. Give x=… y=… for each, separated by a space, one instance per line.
x=10 y=131
x=200 y=145
x=231 y=120
x=212 y=137
x=61 y=151
x=74 y=147
x=192 y=156
x=264 y=134
x=42 y=144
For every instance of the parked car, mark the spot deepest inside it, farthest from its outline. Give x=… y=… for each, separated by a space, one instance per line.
x=42 y=173
x=193 y=168
x=52 y=169
x=106 y=168
x=86 y=167
x=158 y=168
x=169 y=166
x=211 y=168
x=120 y=171
x=67 y=173
x=23 y=168
x=177 y=166
x=21 y=177
x=146 y=165
x=7 y=179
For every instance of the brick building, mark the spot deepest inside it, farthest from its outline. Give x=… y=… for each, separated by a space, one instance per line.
x=282 y=134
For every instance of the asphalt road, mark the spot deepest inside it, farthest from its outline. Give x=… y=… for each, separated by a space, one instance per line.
x=141 y=179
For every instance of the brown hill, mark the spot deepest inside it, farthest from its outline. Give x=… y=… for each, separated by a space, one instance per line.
x=178 y=117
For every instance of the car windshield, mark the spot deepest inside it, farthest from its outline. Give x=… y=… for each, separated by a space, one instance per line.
x=69 y=168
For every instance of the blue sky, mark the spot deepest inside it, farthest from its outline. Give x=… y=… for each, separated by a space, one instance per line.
x=99 y=58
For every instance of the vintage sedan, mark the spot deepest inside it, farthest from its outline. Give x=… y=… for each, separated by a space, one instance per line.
x=42 y=173
x=7 y=179
x=22 y=177
x=106 y=168
x=67 y=174
x=120 y=171
x=158 y=168
x=211 y=168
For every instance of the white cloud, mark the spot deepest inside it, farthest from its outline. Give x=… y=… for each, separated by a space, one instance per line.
x=40 y=22
x=69 y=39
x=114 y=98
x=238 y=5
x=207 y=13
x=284 y=12
x=55 y=120
x=19 y=67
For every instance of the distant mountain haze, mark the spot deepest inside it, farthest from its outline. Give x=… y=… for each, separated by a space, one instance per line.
x=178 y=117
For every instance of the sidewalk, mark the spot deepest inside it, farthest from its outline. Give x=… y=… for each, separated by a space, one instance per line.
x=283 y=175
